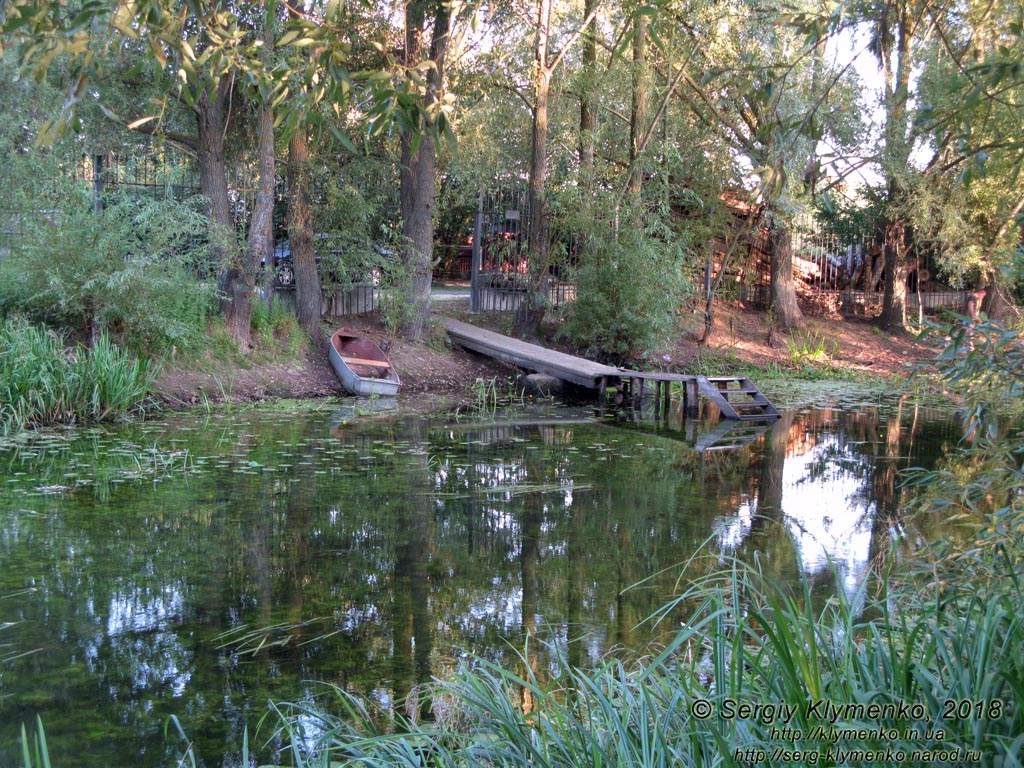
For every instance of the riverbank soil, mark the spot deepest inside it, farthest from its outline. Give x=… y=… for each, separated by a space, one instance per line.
x=853 y=345
x=425 y=369
x=740 y=337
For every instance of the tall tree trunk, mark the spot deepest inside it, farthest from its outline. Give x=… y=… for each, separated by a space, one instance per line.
x=782 y=294
x=300 y=233
x=235 y=276
x=638 y=111
x=419 y=167
x=417 y=199
x=897 y=157
x=538 y=230
x=894 y=299
x=588 y=109
x=261 y=227
x=996 y=303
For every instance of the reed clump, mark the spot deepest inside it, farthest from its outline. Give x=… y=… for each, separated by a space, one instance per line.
x=43 y=383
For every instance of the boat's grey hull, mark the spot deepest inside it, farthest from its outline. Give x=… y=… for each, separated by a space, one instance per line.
x=361 y=385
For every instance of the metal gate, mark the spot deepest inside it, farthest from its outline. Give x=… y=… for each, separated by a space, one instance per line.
x=500 y=272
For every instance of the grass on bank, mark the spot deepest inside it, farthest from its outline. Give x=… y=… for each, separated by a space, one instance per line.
x=44 y=383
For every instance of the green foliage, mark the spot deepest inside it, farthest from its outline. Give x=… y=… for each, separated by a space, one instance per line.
x=982 y=481
x=811 y=347
x=34 y=751
x=274 y=326
x=42 y=383
x=628 y=295
x=488 y=395
x=356 y=239
x=984 y=363
x=129 y=270
x=393 y=302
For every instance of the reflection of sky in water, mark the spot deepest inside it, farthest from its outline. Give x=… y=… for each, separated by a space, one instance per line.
x=501 y=607
x=731 y=531
x=140 y=631
x=828 y=513
x=828 y=516
x=140 y=609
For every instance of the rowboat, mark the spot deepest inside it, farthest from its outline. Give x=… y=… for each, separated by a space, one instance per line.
x=362 y=366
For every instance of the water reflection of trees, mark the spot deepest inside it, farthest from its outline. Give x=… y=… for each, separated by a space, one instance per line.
x=375 y=556
x=827 y=494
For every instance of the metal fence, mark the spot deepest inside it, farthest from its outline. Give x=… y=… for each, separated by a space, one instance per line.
x=499 y=270
x=146 y=168
x=838 y=270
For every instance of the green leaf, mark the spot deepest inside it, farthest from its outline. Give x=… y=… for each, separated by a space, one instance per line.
x=288 y=37
x=341 y=138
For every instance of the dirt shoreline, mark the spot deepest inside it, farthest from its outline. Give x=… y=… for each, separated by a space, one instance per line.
x=850 y=347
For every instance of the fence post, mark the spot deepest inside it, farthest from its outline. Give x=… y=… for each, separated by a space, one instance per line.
x=476 y=262
x=97 y=182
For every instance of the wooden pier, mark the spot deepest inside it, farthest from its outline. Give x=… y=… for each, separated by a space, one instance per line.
x=736 y=396
x=583 y=373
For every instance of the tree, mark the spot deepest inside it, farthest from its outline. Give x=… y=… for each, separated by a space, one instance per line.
x=300 y=232
x=588 y=107
x=765 y=96
x=546 y=61
x=418 y=175
x=896 y=25
x=638 y=124
x=970 y=197
x=204 y=51
x=261 y=224
x=208 y=50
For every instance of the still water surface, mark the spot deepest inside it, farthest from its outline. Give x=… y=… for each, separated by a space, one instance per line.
x=201 y=566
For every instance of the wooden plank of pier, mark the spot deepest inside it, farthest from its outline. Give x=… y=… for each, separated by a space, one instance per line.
x=577 y=370
x=586 y=373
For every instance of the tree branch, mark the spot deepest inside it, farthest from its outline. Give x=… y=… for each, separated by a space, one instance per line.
x=573 y=38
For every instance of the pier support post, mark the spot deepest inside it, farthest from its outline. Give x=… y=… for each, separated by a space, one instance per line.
x=690 y=399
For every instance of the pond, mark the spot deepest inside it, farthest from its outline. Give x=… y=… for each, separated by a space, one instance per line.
x=203 y=565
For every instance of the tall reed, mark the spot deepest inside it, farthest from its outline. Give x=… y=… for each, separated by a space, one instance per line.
x=42 y=383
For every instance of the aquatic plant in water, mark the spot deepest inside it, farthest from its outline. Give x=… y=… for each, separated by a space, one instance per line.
x=755 y=671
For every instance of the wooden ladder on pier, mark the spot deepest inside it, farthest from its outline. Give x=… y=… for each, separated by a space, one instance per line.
x=737 y=397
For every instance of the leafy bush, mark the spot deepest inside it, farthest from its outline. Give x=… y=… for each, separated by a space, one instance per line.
x=628 y=295
x=128 y=270
x=274 y=324
x=42 y=383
